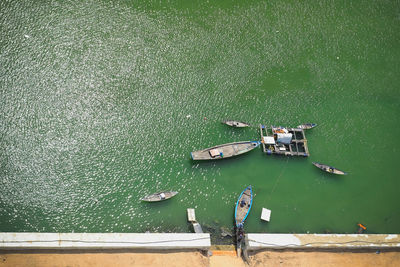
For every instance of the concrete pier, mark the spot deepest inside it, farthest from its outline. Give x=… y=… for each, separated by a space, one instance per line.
x=321 y=241
x=105 y=241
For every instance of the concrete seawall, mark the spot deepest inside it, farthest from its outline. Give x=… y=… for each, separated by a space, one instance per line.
x=185 y=241
x=162 y=241
x=322 y=241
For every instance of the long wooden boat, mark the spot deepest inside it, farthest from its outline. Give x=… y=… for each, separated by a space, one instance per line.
x=306 y=126
x=160 y=196
x=242 y=210
x=329 y=169
x=225 y=150
x=237 y=124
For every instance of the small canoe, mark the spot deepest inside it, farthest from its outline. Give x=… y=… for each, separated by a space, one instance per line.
x=328 y=168
x=237 y=124
x=242 y=209
x=243 y=206
x=159 y=196
x=225 y=150
x=306 y=126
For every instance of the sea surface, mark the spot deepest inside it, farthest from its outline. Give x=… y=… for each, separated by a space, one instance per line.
x=101 y=103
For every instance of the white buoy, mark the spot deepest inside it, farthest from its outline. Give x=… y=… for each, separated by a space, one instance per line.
x=265 y=214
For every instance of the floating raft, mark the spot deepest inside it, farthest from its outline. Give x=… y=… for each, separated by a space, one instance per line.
x=284 y=141
x=225 y=150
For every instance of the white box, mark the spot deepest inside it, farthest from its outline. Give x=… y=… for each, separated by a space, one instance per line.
x=269 y=140
x=191 y=215
x=265 y=214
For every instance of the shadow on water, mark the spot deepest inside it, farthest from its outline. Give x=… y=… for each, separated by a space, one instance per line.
x=220 y=234
x=327 y=175
x=159 y=204
x=219 y=162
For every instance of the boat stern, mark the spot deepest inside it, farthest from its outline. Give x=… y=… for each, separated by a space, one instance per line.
x=255 y=143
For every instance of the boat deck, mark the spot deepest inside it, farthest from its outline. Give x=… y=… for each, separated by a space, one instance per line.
x=242 y=210
x=297 y=147
x=225 y=150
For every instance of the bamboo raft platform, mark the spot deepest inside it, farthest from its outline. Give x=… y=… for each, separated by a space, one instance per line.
x=297 y=147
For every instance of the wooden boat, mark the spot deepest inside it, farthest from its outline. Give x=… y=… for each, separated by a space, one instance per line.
x=243 y=206
x=225 y=150
x=306 y=126
x=159 y=196
x=328 y=168
x=242 y=209
x=237 y=124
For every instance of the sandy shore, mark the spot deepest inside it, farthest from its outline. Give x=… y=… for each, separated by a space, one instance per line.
x=68 y=259
x=197 y=259
x=314 y=259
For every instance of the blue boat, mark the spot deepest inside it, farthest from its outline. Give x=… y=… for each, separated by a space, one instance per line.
x=243 y=206
x=242 y=210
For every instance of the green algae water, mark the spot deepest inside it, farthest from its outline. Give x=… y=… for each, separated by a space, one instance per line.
x=103 y=101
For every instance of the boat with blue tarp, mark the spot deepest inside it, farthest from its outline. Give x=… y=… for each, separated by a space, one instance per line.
x=242 y=210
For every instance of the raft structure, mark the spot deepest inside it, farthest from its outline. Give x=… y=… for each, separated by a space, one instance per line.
x=284 y=141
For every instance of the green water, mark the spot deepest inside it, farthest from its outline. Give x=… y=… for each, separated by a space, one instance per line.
x=103 y=101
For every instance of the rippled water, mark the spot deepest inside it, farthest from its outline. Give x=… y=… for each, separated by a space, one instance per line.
x=103 y=101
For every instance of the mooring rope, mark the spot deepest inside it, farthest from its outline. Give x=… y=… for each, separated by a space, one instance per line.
x=277 y=180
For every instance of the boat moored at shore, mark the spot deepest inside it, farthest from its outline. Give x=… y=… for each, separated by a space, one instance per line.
x=243 y=206
x=242 y=210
